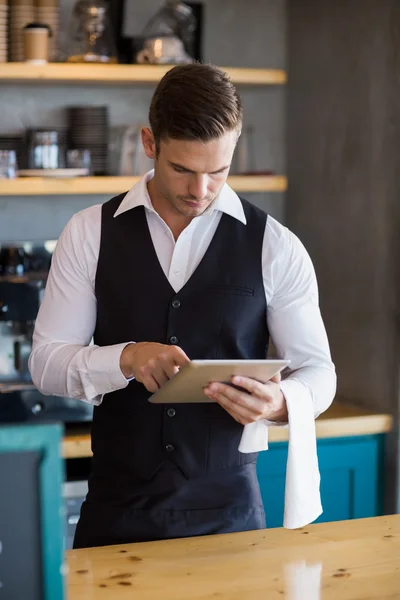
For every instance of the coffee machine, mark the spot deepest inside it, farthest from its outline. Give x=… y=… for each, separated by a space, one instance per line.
x=21 y=291
x=19 y=304
x=22 y=283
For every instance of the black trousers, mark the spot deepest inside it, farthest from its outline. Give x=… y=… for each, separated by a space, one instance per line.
x=170 y=506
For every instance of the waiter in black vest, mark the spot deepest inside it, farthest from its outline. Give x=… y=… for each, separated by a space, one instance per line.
x=179 y=268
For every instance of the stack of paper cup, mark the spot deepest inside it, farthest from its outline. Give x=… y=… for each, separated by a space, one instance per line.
x=3 y=31
x=22 y=12
x=48 y=12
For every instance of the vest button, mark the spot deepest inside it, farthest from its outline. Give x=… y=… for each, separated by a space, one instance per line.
x=173 y=339
x=175 y=303
x=171 y=412
x=169 y=448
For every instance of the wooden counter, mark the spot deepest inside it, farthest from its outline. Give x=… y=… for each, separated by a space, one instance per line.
x=347 y=560
x=340 y=420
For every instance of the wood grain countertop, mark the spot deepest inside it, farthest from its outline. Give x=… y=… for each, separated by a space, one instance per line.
x=340 y=420
x=347 y=560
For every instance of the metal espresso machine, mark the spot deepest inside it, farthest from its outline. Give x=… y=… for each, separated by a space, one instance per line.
x=19 y=399
x=21 y=291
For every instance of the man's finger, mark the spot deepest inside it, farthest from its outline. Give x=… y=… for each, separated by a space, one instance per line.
x=160 y=375
x=252 y=386
x=246 y=406
x=150 y=383
x=172 y=361
x=276 y=378
x=243 y=397
x=234 y=409
x=179 y=357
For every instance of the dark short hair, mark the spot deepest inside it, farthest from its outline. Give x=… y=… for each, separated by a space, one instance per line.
x=195 y=102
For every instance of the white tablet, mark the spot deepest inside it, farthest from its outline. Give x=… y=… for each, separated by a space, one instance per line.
x=187 y=386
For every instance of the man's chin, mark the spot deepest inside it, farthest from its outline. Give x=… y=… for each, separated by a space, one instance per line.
x=194 y=212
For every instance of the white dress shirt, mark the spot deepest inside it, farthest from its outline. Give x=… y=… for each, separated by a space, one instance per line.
x=64 y=362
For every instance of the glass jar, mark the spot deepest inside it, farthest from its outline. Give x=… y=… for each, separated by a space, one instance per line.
x=8 y=164
x=46 y=149
x=169 y=35
x=90 y=37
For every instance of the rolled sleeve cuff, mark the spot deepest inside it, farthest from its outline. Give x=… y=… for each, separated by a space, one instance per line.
x=284 y=389
x=104 y=372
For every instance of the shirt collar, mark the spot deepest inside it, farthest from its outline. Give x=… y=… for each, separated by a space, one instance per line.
x=227 y=201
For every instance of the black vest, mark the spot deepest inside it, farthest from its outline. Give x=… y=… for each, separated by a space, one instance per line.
x=220 y=314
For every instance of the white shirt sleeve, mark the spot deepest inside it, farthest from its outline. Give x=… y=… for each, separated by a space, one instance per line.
x=295 y=322
x=62 y=361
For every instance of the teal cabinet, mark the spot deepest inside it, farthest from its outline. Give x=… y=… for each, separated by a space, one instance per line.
x=351 y=478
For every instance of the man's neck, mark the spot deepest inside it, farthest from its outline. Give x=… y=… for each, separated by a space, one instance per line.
x=175 y=221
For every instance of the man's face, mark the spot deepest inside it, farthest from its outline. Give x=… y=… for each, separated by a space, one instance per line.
x=189 y=175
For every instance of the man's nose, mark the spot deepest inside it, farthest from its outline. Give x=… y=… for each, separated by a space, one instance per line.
x=198 y=186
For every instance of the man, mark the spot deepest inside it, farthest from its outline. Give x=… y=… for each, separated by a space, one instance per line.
x=179 y=268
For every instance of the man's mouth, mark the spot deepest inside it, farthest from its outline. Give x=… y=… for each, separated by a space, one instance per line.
x=194 y=203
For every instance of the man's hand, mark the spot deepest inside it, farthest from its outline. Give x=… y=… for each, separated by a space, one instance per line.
x=257 y=401
x=151 y=363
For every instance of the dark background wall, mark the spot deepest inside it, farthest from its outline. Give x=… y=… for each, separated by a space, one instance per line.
x=343 y=153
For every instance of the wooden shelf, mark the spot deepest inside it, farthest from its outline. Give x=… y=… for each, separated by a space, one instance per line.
x=39 y=186
x=121 y=74
x=340 y=420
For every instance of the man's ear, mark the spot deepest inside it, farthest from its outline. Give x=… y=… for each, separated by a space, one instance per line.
x=149 y=143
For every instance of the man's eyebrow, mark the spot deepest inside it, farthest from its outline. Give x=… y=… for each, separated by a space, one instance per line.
x=176 y=165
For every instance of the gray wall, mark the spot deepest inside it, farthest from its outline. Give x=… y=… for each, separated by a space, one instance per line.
x=344 y=176
x=236 y=33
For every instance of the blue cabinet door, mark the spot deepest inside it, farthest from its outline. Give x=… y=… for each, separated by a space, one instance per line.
x=351 y=478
